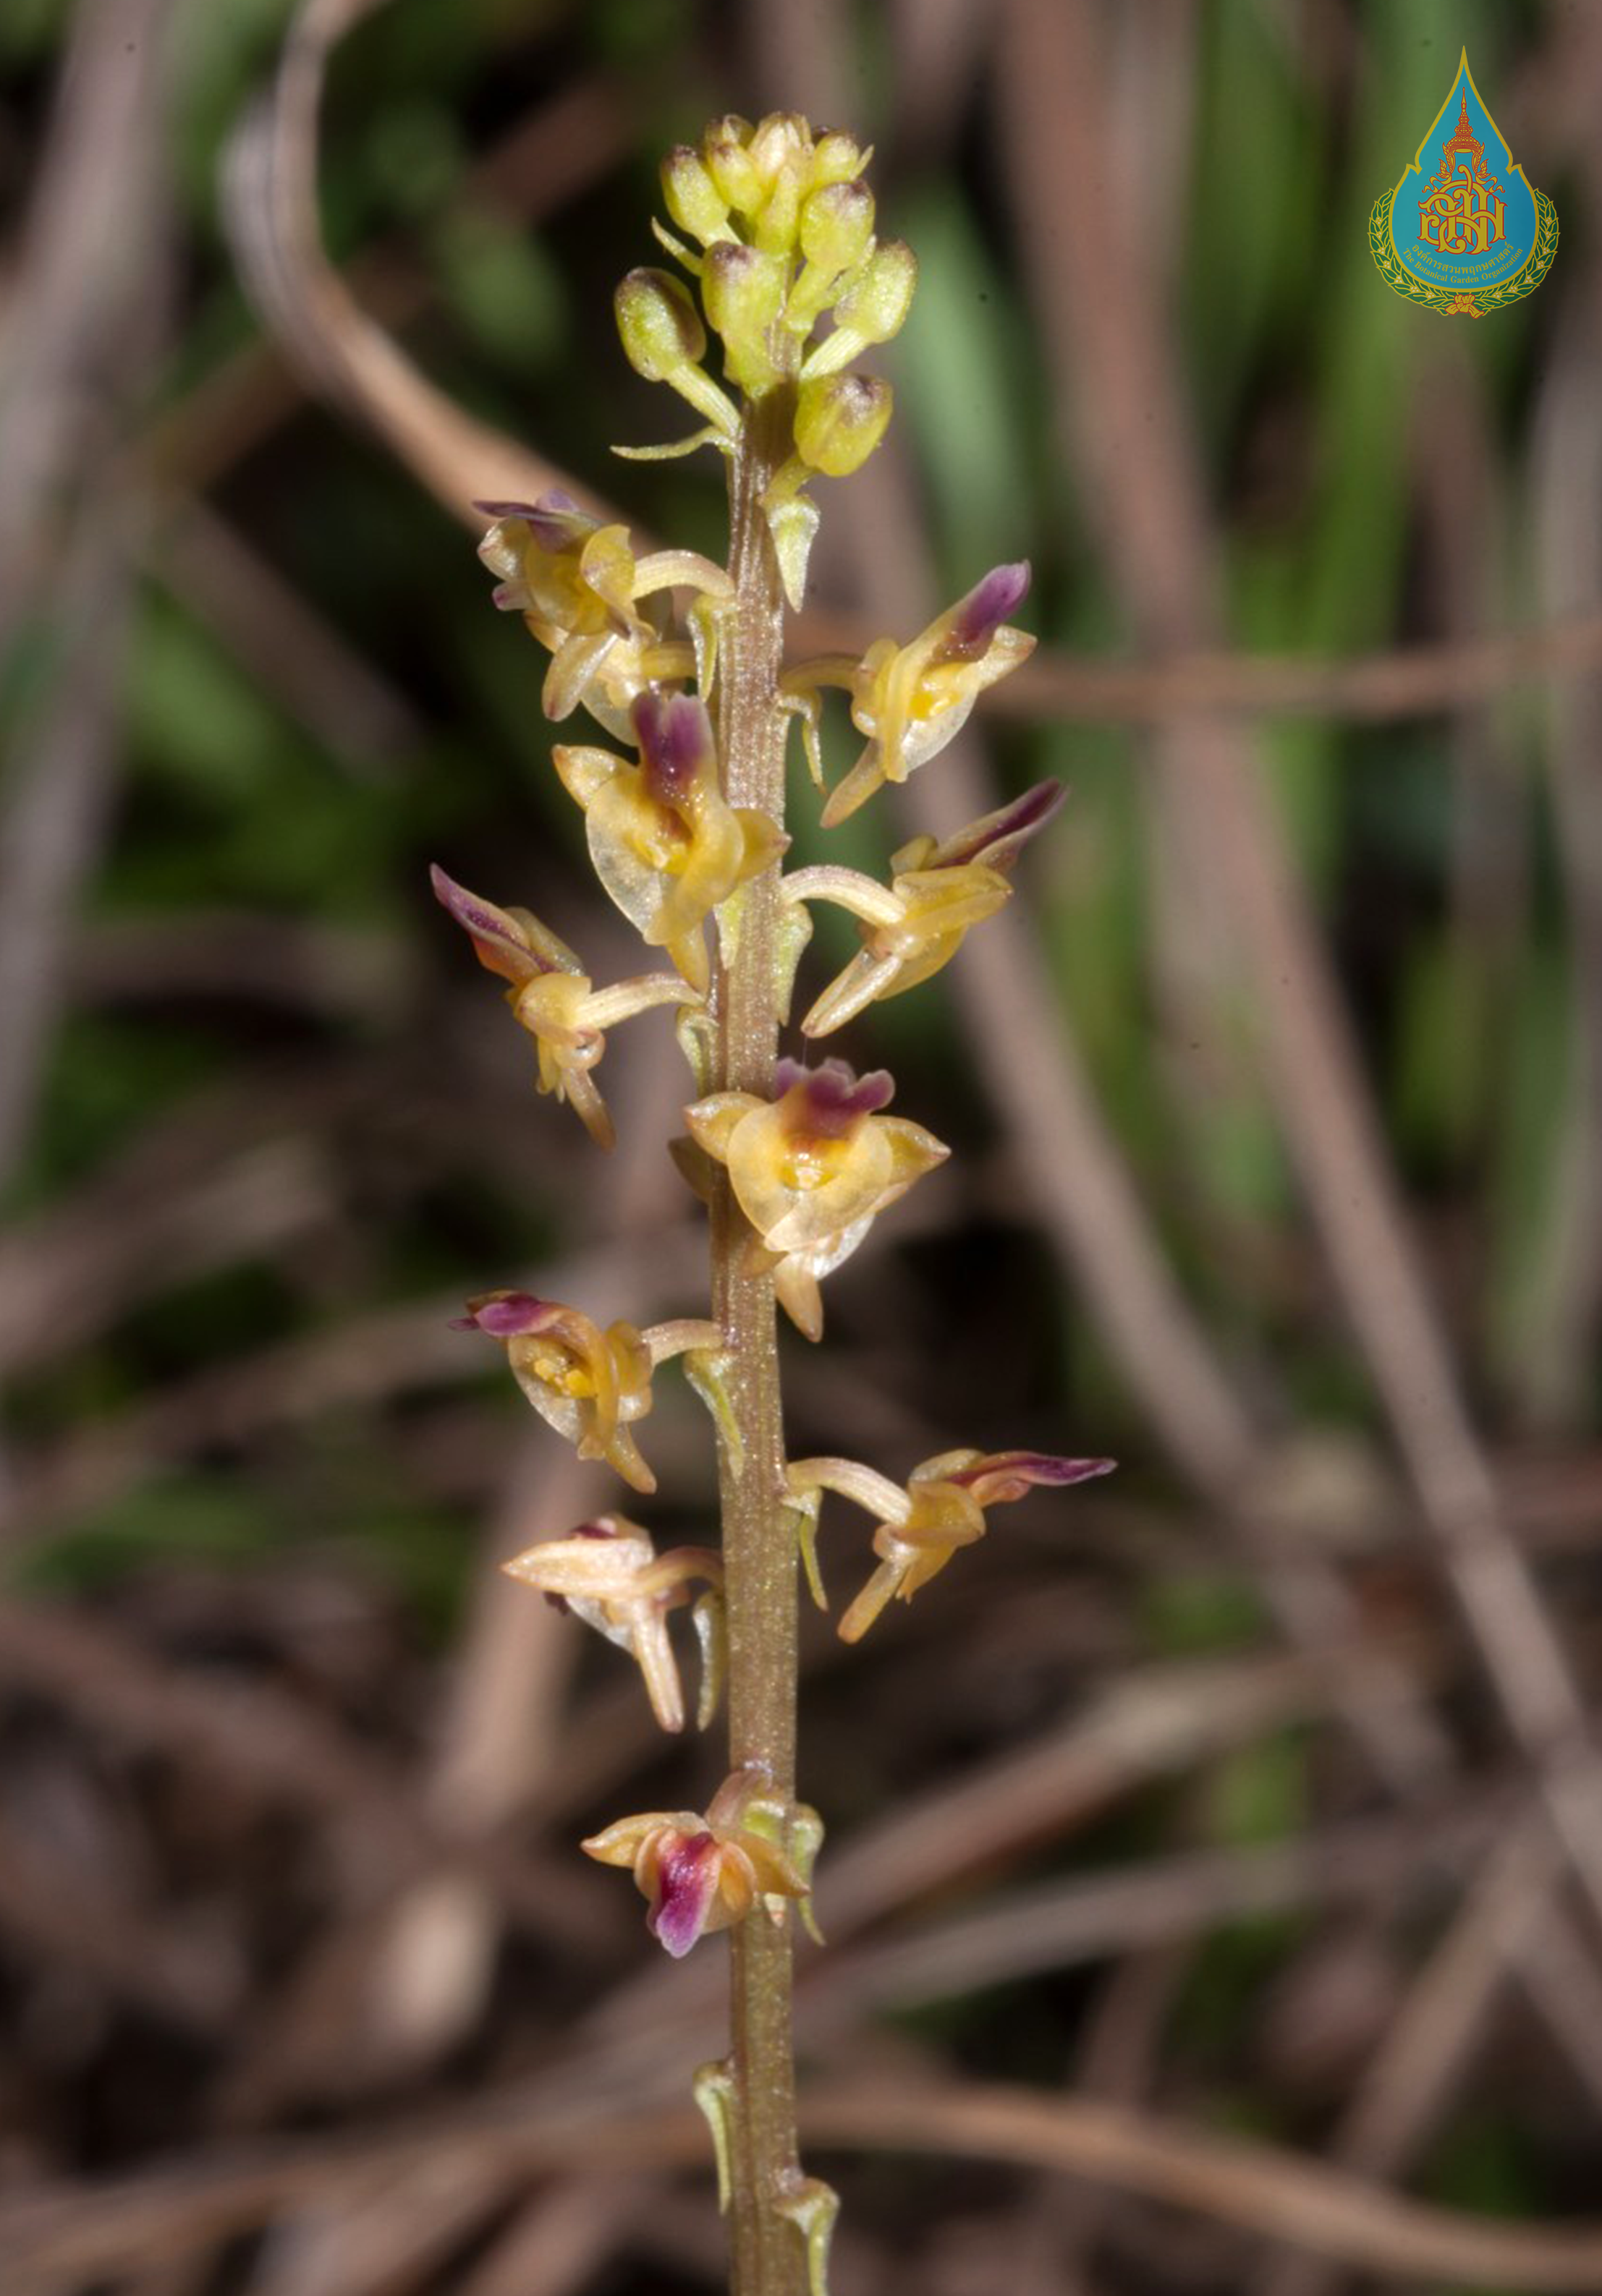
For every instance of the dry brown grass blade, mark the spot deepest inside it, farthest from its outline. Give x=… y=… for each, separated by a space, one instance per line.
x=1560 y=1313
x=207 y=1189
x=550 y=155
x=281 y=642
x=1164 y=1901
x=261 y=1747
x=369 y=1357
x=255 y=956
x=271 y=212
x=82 y=281
x=1150 y=1723
x=71 y=2234
x=102 y=1943
x=559 y=2241
x=1244 y=2184
x=1117 y=2061
x=1426 y=680
x=62 y=779
x=392 y=2240
x=1133 y=444
x=1412 y=2080
x=85 y=310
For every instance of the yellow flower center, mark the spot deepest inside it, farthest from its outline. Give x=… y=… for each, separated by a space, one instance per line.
x=810 y=1163
x=661 y=840
x=556 y=1367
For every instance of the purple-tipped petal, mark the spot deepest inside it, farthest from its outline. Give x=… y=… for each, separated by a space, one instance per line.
x=499 y=942
x=1004 y=1475
x=505 y=1315
x=555 y=520
x=686 y=1885
x=997 y=839
x=676 y=743
x=976 y=619
x=834 y=1098
x=471 y=913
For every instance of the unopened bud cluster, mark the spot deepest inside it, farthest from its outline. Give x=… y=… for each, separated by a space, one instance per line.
x=775 y=225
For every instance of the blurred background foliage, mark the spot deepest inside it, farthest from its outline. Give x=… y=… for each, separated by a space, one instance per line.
x=261 y=1127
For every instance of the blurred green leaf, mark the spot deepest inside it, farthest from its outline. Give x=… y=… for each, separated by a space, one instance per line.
x=502 y=283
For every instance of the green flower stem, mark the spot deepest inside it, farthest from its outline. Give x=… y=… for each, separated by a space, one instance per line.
x=759 y=1544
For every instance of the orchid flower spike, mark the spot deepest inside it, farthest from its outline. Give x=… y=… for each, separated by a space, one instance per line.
x=666 y=846
x=551 y=997
x=706 y=1874
x=587 y=1383
x=942 y=1507
x=937 y=893
x=608 y=1573
x=577 y=584
x=910 y=701
x=811 y=1169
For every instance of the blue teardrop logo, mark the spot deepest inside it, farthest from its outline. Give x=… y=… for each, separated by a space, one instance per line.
x=1464 y=233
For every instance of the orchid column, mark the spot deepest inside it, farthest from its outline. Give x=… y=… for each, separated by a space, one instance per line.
x=682 y=660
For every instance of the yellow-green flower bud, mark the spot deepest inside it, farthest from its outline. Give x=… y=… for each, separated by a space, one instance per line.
x=876 y=304
x=725 y=148
x=837 y=226
x=836 y=159
x=659 y=325
x=839 y=420
x=743 y=292
x=781 y=145
x=692 y=197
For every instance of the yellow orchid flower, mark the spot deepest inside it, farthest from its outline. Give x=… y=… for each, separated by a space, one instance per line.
x=578 y=585
x=551 y=997
x=920 y=1527
x=910 y=701
x=938 y=892
x=706 y=1874
x=666 y=846
x=608 y=1573
x=587 y=1383
x=811 y=1168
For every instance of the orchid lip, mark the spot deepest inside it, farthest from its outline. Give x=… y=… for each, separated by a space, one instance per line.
x=836 y=1099
x=675 y=735
x=686 y=1879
